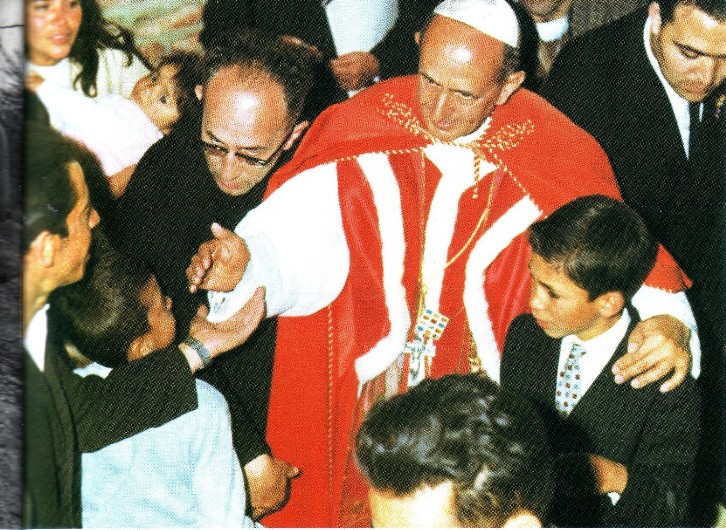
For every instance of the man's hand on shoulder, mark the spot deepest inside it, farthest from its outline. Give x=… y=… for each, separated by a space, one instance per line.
x=219 y=263
x=269 y=484
x=657 y=346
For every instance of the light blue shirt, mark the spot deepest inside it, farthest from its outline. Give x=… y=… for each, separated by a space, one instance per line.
x=184 y=473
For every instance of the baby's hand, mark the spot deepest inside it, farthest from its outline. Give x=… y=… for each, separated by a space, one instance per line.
x=33 y=80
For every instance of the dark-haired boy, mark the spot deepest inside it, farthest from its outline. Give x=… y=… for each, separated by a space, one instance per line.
x=455 y=451
x=624 y=456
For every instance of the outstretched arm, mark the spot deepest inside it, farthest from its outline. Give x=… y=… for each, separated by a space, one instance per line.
x=219 y=263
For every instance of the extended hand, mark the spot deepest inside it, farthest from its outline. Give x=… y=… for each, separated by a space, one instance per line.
x=610 y=476
x=269 y=484
x=656 y=347
x=223 y=336
x=355 y=70
x=219 y=263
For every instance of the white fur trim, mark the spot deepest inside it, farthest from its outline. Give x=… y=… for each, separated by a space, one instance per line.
x=514 y=222
x=457 y=175
x=387 y=201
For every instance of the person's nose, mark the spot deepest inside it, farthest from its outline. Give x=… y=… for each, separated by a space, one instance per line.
x=441 y=109
x=536 y=298
x=711 y=71
x=94 y=219
x=229 y=168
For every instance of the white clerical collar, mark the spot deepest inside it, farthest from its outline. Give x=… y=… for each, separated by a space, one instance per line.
x=553 y=29
x=93 y=369
x=35 y=337
x=678 y=104
x=467 y=138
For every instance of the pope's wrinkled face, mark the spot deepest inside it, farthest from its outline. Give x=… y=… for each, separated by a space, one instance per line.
x=51 y=29
x=690 y=49
x=459 y=78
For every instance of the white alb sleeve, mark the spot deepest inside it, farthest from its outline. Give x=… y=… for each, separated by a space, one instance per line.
x=650 y=301
x=298 y=249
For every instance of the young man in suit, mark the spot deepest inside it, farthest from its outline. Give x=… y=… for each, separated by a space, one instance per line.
x=65 y=414
x=650 y=88
x=624 y=457
x=456 y=451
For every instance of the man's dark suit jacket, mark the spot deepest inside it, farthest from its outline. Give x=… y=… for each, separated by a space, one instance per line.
x=654 y=435
x=163 y=216
x=65 y=414
x=397 y=53
x=604 y=82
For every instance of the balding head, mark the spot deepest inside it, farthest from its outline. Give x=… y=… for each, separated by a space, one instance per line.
x=464 y=74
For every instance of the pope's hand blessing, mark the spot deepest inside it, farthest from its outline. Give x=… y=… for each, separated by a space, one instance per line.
x=219 y=263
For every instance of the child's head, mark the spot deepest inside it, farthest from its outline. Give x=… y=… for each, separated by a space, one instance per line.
x=167 y=93
x=588 y=259
x=116 y=312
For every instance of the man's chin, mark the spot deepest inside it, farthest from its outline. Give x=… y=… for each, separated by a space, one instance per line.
x=232 y=187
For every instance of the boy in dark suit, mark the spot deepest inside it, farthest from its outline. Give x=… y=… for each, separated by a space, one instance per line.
x=624 y=456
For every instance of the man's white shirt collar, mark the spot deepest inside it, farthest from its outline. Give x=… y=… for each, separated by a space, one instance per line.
x=598 y=350
x=553 y=29
x=474 y=135
x=35 y=337
x=678 y=104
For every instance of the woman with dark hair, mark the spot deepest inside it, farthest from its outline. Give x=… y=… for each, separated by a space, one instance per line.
x=69 y=43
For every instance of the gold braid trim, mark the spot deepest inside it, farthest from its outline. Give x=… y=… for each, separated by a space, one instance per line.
x=505 y=138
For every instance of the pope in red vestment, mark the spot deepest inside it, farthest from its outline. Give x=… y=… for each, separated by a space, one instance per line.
x=392 y=254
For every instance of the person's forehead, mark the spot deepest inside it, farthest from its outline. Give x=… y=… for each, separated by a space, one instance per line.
x=696 y=29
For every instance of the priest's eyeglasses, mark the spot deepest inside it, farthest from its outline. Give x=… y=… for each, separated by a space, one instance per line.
x=220 y=151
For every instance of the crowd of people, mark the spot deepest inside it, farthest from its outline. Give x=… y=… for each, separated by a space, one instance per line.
x=459 y=266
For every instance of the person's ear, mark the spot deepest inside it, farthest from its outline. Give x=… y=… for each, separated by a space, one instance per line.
x=655 y=19
x=511 y=84
x=417 y=38
x=139 y=347
x=295 y=134
x=44 y=248
x=610 y=303
x=523 y=519
x=199 y=92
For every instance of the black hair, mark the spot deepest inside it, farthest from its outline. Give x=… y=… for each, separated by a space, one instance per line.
x=288 y=64
x=48 y=190
x=96 y=33
x=713 y=8
x=528 y=47
x=490 y=444
x=102 y=313
x=188 y=76
x=601 y=243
